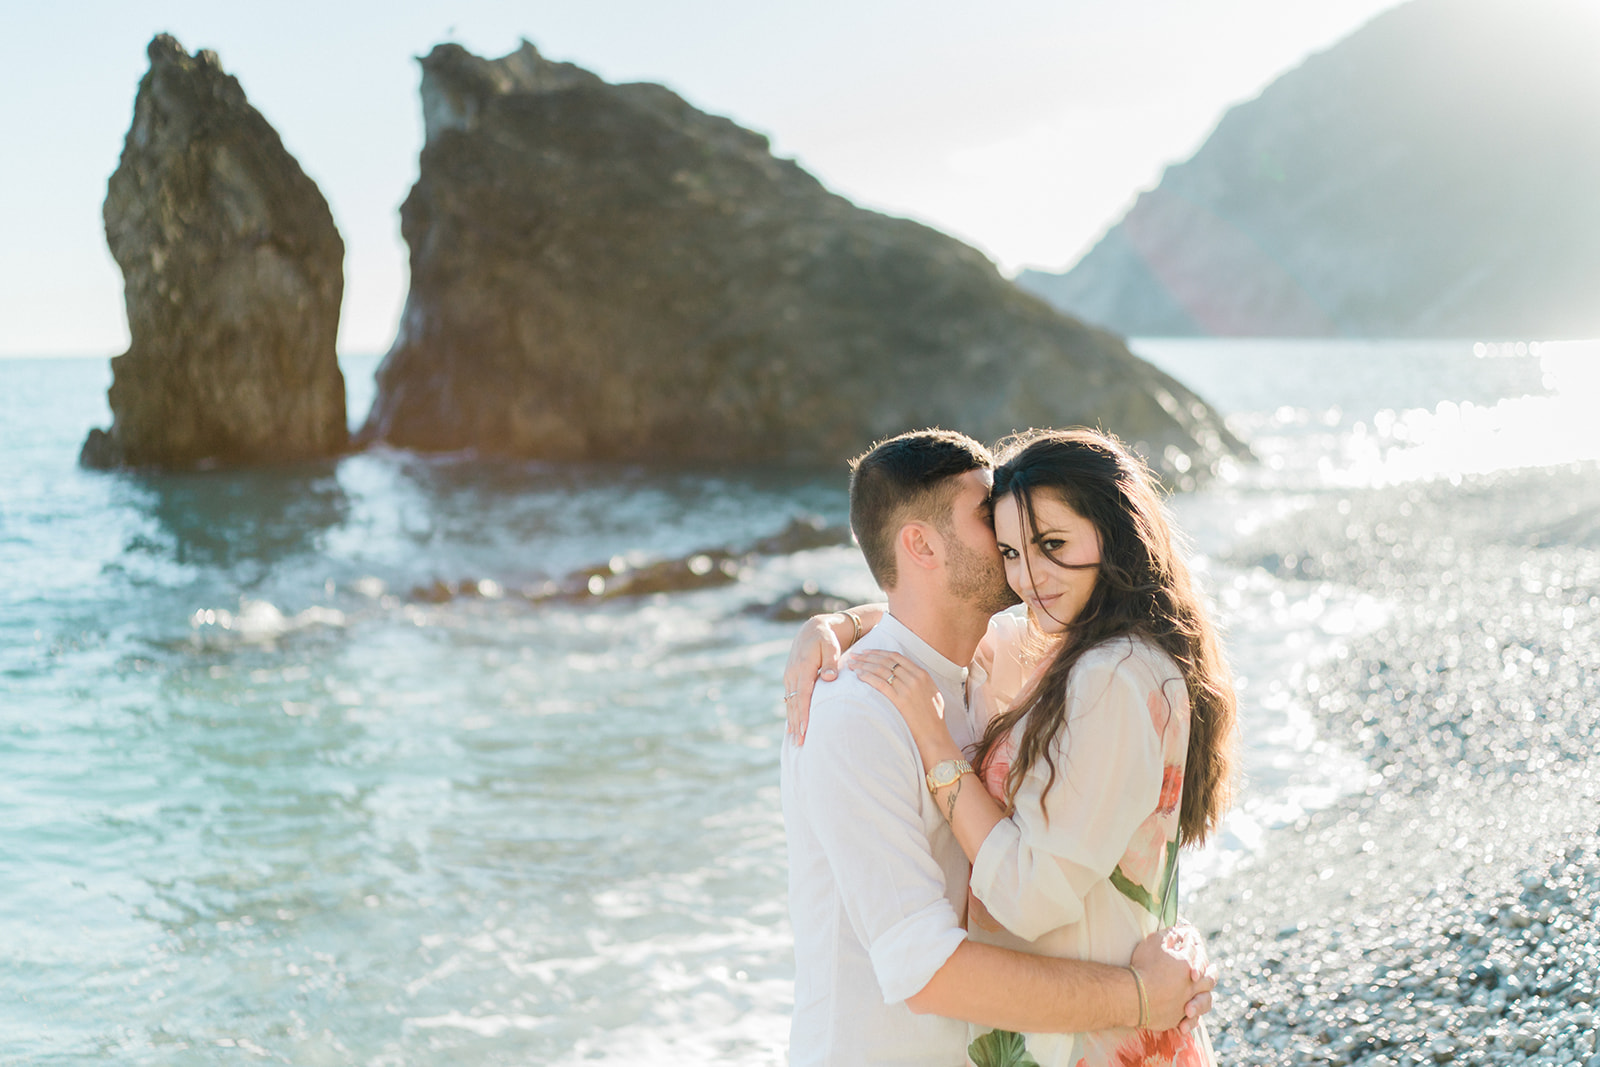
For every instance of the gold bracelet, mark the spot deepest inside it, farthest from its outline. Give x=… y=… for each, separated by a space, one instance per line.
x=1144 y=1000
x=856 y=621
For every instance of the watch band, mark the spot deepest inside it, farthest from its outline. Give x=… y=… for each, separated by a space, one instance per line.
x=947 y=772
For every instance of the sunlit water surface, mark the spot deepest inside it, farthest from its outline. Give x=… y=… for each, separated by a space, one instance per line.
x=261 y=801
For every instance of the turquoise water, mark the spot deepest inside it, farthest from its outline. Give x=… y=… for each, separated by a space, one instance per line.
x=261 y=801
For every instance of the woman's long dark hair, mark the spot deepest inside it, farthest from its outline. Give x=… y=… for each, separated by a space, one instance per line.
x=1143 y=590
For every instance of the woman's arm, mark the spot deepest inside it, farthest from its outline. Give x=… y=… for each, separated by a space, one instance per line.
x=1033 y=872
x=815 y=654
x=967 y=806
x=1067 y=835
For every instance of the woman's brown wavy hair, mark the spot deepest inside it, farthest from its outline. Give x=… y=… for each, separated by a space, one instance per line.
x=1143 y=590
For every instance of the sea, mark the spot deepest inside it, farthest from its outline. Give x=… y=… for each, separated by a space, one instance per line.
x=265 y=800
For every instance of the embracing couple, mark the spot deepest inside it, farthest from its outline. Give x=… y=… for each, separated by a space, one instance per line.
x=984 y=808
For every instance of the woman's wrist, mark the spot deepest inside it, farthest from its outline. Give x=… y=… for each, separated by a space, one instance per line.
x=937 y=749
x=847 y=627
x=851 y=624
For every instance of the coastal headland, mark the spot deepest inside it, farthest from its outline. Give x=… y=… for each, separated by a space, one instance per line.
x=1427 y=176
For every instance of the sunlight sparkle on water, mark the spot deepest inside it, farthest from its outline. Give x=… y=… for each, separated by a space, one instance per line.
x=1550 y=423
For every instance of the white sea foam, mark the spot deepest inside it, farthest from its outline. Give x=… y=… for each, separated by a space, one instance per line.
x=492 y=1025
x=258 y=622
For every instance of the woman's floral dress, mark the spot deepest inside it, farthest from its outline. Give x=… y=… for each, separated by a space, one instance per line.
x=1092 y=880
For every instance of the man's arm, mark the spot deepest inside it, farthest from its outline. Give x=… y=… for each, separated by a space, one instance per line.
x=859 y=790
x=860 y=786
x=1015 y=991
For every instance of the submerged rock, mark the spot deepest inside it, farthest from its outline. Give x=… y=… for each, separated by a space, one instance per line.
x=705 y=569
x=799 y=604
x=603 y=271
x=233 y=272
x=803 y=532
x=440 y=591
x=620 y=576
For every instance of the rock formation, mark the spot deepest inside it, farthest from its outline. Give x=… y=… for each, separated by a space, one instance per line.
x=619 y=576
x=1431 y=175
x=602 y=271
x=234 y=273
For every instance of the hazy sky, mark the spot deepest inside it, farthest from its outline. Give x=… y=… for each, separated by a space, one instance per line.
x=1024 y=128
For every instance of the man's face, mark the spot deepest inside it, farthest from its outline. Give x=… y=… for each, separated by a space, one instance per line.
x=974 y=571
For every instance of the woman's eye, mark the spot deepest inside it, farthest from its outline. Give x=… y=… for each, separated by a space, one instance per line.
x=1008 y=553
x=1053 y=545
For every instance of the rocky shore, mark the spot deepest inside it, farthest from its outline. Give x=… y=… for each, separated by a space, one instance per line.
x=1448 y=909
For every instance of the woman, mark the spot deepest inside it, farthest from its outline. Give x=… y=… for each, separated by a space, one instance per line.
x=1109 y=736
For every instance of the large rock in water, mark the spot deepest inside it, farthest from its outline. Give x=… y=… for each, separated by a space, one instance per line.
x=234 y=273
x=1434 y=174
x=602 y=271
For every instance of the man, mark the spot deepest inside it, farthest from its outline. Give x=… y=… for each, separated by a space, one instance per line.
x=884 y=973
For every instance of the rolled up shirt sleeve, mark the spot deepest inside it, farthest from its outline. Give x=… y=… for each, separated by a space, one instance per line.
x=862 y=794
x=1032 y=873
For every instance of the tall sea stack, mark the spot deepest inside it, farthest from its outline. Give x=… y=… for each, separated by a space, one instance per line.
x=233 y=272
x=603 y=271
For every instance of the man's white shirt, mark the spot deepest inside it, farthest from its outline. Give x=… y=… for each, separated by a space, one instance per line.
x=877 y=881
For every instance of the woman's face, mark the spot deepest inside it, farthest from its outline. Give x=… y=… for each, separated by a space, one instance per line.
x=1055 y=590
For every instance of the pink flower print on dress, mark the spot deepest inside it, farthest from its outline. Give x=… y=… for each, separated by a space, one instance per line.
x=1171 y=789
x=1141 y=863
x=1165 y=1048
x=995 y=771
x=1160 y=712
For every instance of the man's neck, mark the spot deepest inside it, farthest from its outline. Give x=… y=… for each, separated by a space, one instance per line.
x=951 y=627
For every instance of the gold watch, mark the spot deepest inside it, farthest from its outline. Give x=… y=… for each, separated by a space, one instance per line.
x=946 y=772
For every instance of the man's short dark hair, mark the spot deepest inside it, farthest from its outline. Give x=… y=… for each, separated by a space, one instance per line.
x=909 y=478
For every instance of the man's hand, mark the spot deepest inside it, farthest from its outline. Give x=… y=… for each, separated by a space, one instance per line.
x=1178 y=977
x=814 y=654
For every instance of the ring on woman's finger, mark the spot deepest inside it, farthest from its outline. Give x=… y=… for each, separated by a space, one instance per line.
x=892 y=669
x=791 y=696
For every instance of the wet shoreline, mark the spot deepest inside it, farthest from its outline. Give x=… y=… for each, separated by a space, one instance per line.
x=1445 y=911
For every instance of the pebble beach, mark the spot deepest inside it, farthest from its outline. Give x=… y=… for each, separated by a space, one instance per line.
x=1447 y=909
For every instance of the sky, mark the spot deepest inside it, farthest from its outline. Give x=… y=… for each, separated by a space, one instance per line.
x=1023 y=127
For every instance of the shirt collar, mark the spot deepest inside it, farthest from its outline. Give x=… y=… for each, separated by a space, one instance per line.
x=942 y=669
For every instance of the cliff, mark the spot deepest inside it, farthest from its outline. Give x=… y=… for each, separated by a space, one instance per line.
x=1431 y=175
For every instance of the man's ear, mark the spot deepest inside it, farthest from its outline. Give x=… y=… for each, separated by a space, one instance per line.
x=920 y=546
